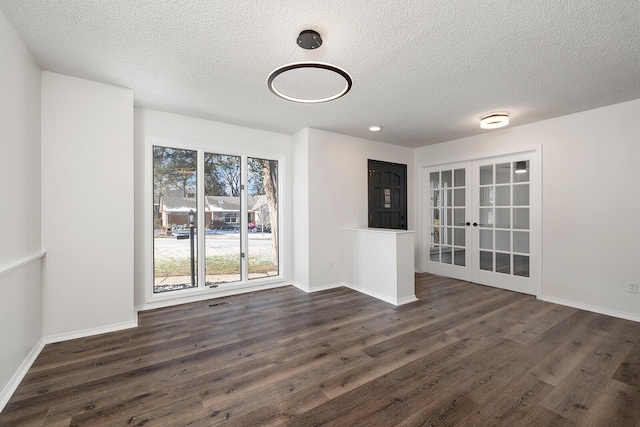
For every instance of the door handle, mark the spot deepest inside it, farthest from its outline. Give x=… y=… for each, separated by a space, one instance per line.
x=475 y=224
x=468 y=223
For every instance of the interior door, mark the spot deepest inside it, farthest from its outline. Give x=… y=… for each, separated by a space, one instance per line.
x=449 y=202
x=387 y=195
x=483 y=221
x=505 y=222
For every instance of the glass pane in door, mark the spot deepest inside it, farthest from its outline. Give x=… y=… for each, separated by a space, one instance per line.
x=504 y=207
x=486 y=175
x=521 y=171
x=458 y=236
x=503 y=195
x=222 y=218
x=521 y=241
x=262 y=211
x=503 y=240
x=503 y=218
x=435 y=202
x=503 y=173
x=521 y=195
x=486 y=260
x=521 y=265
x=447 y=224
x=447 y=255
x=503 y=263
x=447 y=179
x=175 y=209
x=459 y=178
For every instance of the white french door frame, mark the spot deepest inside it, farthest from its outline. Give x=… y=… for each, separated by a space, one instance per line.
x=202 y=290
x=534 y=154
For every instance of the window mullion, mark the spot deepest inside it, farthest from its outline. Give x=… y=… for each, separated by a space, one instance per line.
x=200 y=220
x=244 y=209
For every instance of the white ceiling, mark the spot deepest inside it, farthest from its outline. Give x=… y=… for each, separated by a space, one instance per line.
x=426 y=70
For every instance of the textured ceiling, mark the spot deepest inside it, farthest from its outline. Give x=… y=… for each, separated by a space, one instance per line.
x=426 y=70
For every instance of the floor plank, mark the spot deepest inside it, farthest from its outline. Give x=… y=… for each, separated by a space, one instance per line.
x=464 y=354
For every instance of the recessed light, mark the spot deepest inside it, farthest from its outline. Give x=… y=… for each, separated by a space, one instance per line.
x=375 y=128
x=494 y=120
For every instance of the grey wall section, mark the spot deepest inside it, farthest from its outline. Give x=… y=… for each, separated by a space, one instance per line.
x=20 y=304
x=87 y=197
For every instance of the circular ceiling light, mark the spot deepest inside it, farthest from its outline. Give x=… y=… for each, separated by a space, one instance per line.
x=494 y=121
x=309 y=65
x=309 y=39
x=375 y=128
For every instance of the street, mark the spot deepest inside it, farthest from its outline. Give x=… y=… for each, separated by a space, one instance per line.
x=216 y=245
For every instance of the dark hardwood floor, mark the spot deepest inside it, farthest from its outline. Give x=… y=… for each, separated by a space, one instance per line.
x=465 y=355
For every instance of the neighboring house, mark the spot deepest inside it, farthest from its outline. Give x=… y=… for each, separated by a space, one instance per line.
x=218 y=209
x=175 y=193
x=174 y=211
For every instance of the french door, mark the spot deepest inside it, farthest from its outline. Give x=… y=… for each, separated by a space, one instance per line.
x=483 y=221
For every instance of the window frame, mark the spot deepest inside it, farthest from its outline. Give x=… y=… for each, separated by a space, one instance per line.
x=202 y=291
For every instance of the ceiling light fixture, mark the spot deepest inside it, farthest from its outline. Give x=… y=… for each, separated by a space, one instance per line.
x=309 y=39
x=494 y=121
x=521 y=167
x=375 y=128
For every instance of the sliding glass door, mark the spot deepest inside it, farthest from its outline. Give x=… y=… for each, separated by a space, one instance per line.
x=175 y=257
x=262 y=210
x=223 y=210
x=215 y=219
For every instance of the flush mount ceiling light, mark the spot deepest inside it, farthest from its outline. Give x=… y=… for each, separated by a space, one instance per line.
x=303 y=82
x=521 y=167
x=375 y=128
x=494 y=121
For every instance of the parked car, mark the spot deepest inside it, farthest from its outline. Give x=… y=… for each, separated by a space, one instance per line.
x=182 y=234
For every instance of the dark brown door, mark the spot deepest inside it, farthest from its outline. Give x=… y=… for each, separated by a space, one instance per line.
x=387 y=195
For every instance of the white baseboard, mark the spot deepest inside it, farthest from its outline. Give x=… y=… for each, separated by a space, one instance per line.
x=50 y=339
x=385 y=298
x=377 y=295
x=592 y=308
x=407 y=300
x=324 y=287
x=14 y=382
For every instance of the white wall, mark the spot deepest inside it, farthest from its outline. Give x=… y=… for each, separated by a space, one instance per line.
x=217 y=136
x=87 y=198
x=591 y=201
x=301 y=224
x=20 y=304
x=338 y=196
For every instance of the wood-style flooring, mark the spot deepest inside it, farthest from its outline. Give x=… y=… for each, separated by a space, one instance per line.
x=464 y=355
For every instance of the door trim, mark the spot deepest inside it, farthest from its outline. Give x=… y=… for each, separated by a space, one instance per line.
x=535 y=190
